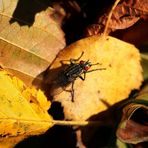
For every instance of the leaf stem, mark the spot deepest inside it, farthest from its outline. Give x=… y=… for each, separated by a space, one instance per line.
x=143 y=56
x=109 y=17
x=55 y=122
x=76 y=123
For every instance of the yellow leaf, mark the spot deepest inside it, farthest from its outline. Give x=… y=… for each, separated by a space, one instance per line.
x=103 y=88
x=23 y=111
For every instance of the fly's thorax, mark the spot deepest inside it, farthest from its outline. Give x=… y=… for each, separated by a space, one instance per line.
x=74 y=71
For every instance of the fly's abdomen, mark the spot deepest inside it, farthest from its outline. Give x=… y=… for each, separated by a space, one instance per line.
x=65 y=78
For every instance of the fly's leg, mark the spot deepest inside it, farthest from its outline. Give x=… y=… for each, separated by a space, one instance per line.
x=96 y=64
x=70 y=91
x=64 y=89
x=72 y=61
x=62 y=62
x=83 y=78
x=95 y=70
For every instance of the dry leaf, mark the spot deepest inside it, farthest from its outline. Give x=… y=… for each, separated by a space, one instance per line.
x=28 y=50
x=126 y=14
x=101 y=88
x=134 y=124
x=23 y=111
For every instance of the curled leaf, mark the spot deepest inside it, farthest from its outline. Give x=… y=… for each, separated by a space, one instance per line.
x=144 y=65
x=125 y=15
x=134 y=124
x=23 y=111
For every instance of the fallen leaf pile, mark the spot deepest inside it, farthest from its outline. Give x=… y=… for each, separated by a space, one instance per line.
x=32 y=50
x=23 y=111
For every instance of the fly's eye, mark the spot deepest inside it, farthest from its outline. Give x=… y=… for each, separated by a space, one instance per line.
x=81 y=62
x=86 y=67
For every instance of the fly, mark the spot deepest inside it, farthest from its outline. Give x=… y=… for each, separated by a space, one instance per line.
x=68 y=76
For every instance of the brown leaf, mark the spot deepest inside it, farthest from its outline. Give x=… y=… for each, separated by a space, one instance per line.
x=134 y=124
x=100 y=88
x=133 y=132
x=28 y=51
x=126 y=14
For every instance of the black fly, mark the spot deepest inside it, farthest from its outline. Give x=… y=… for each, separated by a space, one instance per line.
x=71 y=73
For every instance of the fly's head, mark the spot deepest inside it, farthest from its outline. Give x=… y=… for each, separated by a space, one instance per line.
x=85 y=65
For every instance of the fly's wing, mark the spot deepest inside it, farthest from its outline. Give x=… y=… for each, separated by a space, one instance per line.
x=59 y=85
x=55 y=90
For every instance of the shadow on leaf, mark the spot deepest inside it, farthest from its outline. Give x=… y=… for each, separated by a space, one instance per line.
x=103 y=134
x=25 y=11
x=47 y=78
